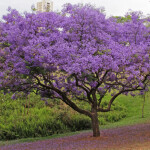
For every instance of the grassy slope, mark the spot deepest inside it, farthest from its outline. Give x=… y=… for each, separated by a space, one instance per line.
x=134 y=116
x=134 y=111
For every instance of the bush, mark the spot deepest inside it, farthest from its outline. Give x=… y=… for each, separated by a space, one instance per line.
x=27 y=118
x=22 y=118
x=36 y=124
x=117 y=112
x=102 y=121
x=76 y=122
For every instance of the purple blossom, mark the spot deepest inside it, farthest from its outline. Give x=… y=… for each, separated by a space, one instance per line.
x=14 y=96
x=90 y=55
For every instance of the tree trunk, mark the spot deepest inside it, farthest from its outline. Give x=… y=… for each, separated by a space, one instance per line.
x=143 y=106
x=95 y=123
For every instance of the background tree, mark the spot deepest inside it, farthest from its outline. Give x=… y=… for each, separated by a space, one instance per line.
x=77 y=55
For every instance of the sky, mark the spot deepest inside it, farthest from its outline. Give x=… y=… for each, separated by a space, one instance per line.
x=112 y=7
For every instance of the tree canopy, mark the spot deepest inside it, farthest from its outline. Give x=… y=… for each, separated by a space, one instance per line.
x=76 y=54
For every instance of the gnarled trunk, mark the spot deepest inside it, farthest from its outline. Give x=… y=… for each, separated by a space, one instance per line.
x=95 y=123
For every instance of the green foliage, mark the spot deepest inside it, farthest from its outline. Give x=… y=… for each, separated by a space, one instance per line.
x=133 y=106
x=75 y=121
x=30 y=117
x=118 y=111
x=123 y=19
x=5 y=44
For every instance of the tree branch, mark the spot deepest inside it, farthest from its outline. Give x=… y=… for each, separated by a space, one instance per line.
x=65 y=98
x=86 y=90
x=115 y=96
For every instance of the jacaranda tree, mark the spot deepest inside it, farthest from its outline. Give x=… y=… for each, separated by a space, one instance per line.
x=77 y=54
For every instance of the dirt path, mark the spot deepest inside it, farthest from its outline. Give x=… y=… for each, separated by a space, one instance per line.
x=123 y=138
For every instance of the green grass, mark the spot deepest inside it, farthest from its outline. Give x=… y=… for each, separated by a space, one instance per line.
x=134 y=111
x=134 y=116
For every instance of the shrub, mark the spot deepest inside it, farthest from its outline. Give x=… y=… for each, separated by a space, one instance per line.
x=22 y=118
x=76 y=122
x=118 y=112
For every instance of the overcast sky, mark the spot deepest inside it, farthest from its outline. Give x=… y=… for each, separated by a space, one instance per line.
x=112 y=7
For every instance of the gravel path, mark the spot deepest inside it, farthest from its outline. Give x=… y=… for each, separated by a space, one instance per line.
x=135 y=137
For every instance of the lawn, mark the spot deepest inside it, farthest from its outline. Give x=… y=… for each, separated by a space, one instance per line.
x=134 y=111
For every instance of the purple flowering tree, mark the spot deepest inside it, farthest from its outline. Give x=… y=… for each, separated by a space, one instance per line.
x=77 y=54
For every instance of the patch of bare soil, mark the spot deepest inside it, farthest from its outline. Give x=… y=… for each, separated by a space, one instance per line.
x=135 y=137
